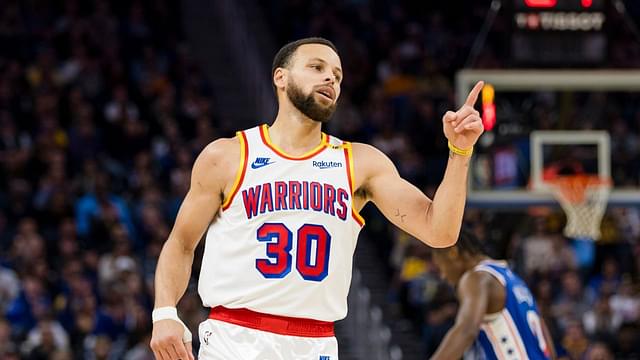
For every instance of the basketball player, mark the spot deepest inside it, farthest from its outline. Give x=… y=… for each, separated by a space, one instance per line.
x=279 y=205
x=497 y=317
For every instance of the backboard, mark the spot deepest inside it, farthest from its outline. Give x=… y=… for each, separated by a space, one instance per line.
x=529 y=154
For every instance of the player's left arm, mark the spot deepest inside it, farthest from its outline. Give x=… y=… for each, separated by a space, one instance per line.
x=474 y=291
x=435 y=222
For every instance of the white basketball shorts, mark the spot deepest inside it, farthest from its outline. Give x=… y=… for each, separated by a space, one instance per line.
x=262 y=339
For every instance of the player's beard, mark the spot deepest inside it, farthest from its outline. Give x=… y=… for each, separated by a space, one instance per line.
x=308 y=105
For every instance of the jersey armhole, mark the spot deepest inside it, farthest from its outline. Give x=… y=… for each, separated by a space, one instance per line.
x=492 y=272
x=242 y=169
x=348 y=153
x=496 y=275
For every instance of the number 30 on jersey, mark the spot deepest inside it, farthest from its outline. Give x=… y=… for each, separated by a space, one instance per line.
x=313 y=244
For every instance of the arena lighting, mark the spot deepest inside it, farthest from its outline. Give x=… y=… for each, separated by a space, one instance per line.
x=541 y=3
x=488 y=107
x=552 y=3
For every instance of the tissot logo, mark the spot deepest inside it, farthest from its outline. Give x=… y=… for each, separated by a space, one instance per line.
x=327 y=164
x=561 y=21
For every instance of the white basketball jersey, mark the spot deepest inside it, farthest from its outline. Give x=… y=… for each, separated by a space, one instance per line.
x=284 y=238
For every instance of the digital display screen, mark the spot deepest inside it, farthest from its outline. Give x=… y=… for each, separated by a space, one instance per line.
x=560 y=32
x=561 y=5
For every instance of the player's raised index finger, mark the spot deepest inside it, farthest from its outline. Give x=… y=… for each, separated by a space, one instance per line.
x=473 y=95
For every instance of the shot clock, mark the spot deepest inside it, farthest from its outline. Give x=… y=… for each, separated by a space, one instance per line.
x=559 y=32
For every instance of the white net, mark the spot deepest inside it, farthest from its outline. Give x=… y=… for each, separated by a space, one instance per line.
x=584 y=201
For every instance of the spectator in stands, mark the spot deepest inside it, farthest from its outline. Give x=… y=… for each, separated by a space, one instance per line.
x=538 y=248
x=9 y=289
x=112 y=264
x=608 y=280
x=626 y=302
x=574 y=341
x=571 y=302
x=98 y=211
x=6 y=342
x=627 y=345
x=46 y=338
x=598 y=351
x=600 y=321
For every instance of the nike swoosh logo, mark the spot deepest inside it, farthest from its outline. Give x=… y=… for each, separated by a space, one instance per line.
x=255 y=165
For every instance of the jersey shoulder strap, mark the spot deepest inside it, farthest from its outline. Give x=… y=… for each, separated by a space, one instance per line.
x=493 y=269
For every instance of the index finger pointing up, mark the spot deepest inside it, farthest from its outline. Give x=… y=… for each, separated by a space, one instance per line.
x=473 y=95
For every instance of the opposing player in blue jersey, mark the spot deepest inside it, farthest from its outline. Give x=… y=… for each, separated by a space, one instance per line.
x=497 y=317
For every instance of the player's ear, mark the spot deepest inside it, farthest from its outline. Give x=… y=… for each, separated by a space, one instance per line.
x=280 y=78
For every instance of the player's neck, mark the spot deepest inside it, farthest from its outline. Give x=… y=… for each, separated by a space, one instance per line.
x=295 y=133
x=476 y=260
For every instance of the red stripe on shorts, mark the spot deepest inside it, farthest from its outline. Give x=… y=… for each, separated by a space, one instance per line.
x=282 y=325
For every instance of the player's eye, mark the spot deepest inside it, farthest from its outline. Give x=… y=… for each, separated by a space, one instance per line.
x=317 y=67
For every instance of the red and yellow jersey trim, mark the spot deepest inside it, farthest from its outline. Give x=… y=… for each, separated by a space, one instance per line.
x=264 y=134
x=242 y=169
x=348 y=153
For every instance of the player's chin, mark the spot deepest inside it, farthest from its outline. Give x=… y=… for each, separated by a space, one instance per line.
x=329 y=108
x=323 y=119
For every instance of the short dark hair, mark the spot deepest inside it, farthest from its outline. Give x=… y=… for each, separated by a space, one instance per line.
x=284 y=55
x=467 y=243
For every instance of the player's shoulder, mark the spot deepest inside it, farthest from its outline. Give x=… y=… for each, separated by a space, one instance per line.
x=369 y=159
x=362 y=151
x=475 y=275
x=220 y=153
x=221 y=147
x=364 y=148
x=474 y=280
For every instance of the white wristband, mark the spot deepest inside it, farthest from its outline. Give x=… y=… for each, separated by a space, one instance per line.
x=171 y=313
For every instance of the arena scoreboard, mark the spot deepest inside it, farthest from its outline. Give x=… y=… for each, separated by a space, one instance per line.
x=559 y=32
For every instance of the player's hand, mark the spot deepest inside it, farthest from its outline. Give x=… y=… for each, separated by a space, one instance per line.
x=463 y=127
x=166 y=341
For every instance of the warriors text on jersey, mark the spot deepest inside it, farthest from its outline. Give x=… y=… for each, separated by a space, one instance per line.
x=284 y=238
x=515 y=333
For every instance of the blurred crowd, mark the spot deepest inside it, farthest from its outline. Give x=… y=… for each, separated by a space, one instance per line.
x=102 y=111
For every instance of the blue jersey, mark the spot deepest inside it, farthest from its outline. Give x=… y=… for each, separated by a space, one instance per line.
x=516 y=331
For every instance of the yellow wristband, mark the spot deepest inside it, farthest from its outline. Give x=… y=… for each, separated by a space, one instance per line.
x=456 y=150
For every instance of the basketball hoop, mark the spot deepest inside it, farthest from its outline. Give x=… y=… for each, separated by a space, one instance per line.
x=584 y=199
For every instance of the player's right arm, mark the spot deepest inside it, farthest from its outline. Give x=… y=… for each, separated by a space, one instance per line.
x=211 y=177
x=474 y=293
x=435 y=222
